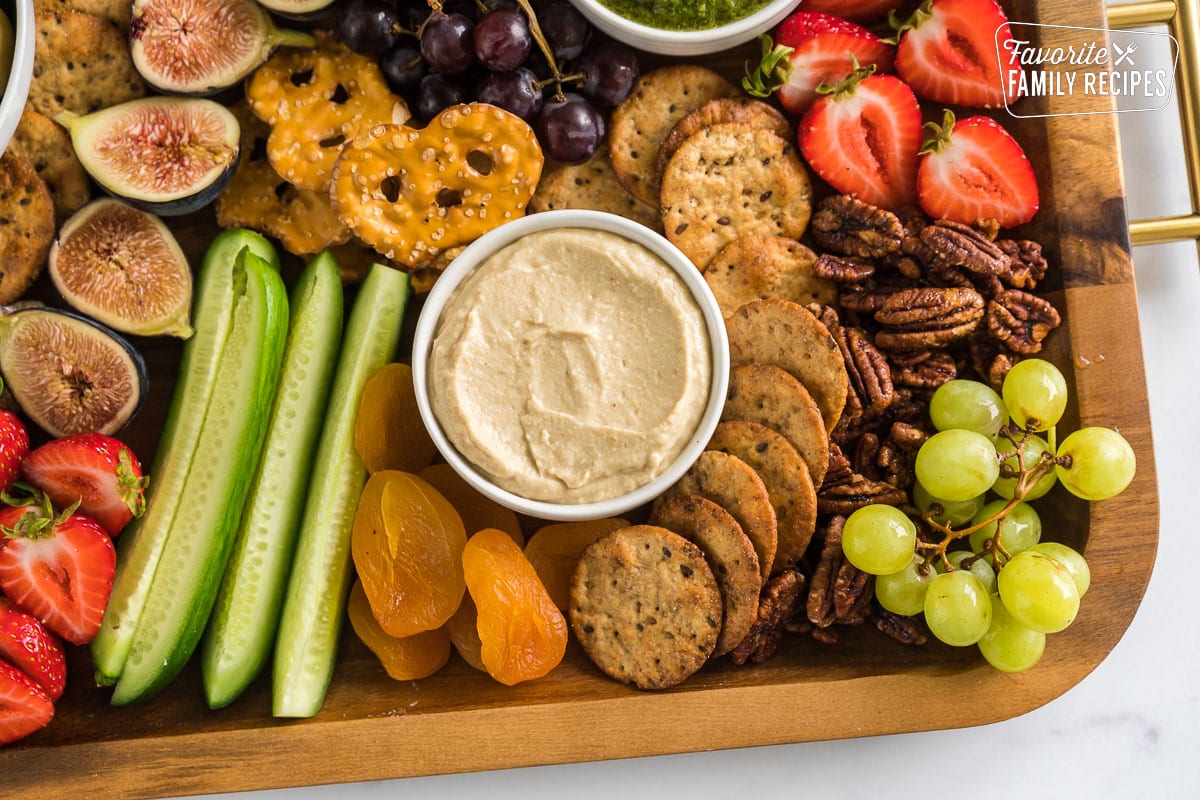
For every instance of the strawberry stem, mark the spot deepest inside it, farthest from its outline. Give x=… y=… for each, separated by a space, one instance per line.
x=131 y=487
x=847 y=85
x=919 y=17
x=939 y=135
x=773 y=70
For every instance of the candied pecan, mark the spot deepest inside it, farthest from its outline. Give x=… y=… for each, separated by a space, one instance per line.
x=866 y=453
x=849 y=588
x=952 y=244
x=775 y=608
x=842 y=270
x=1026 y=265
x=1020 y=320
x=928 y=370
x=824 y=635
x=907 y=630
x=908 y=438
x=859 y=491
x=927 y=317
x=997 y=369
x=849 y=227
x=867 y=368
x=840 y=469
x=819 y=603
x=895 y=465
x=988 y=227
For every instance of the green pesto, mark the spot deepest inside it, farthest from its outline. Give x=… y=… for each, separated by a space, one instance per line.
x=684 y=15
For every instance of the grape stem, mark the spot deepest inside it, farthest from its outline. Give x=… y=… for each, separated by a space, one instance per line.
x=557 y=77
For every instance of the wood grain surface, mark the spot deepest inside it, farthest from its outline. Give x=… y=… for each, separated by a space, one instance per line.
x=459 y=720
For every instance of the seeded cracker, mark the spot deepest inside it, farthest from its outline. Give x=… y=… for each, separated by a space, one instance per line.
x=730 y=180
x=757 y=266
x=46 y=145
x=645 y=606
x=81 y=64
x=115 y=11
x=643 y=119
x=592 y=185
x=734 y=486
x=745 y=110
x=26 y=226
x=787 y=335
x=729 y=554
x=785 y=476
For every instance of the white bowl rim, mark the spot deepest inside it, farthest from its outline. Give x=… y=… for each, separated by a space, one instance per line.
x=508 y=233
x=730 y=30
x=20 y=75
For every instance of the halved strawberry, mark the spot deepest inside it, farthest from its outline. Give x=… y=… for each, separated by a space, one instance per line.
x=862 y=138
x=949 y=52
x=973 y=169
x=26 y=644
x=58 y=567
x=857 y=10
x=24 y=707
x=96 y=471
x=14 y=444
x=811 y=49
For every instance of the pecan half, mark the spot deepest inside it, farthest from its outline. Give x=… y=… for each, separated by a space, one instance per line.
x=867 y=368
x=844 y=271
x=819 y=604
x=846 y=498
x=923 y=369
x=1027 y=266
x=928 y=317
x=907 y=630
x=776 y=606
x=853 y=590
x=1021 y=321
x=849 y=227
x=952 y=244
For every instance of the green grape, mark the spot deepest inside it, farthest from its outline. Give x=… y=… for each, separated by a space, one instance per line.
x=969 y=405
x=903 y=592
x=879 y=539
x=979 y=567
x=954 y=514
x=1035 y=446
x=1022 y=527
x=1075 y=563
x=1102 y=463
x=1008 y=645
x=1035 y=393
x=1038 y=591
x=957 y=608
x=957 y=465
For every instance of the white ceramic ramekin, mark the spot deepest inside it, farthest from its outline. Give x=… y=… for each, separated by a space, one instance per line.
x=12 y=103
x=685 y=43
x=496 y=240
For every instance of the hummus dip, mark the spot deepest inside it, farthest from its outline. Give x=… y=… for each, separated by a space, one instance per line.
x=572 y=366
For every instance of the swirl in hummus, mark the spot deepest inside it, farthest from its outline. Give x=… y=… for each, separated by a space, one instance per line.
x=570 y=367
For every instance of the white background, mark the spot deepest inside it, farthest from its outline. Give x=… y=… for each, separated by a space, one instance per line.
x=1130 y=729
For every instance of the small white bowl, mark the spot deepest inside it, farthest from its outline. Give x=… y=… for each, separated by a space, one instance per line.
x=501 y=237
x=685 y=43
x=21 y=75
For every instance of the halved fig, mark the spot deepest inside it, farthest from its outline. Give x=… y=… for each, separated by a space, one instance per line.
x=122 y=266
x=165 y=155
x=203 y=46
x=302 y=10
x=68 y=373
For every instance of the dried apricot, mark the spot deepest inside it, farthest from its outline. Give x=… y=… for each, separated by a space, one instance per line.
x=523 y=634
x=464 y=634
x=388 y=432
x=407 y=544
x=554 y=551
x=477 y=512
x=407 y=659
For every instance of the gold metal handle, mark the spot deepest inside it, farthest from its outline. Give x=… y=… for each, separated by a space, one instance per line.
x=1182 y=19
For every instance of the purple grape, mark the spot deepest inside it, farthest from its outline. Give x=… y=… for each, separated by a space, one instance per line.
x=447 y=43
x=413 y=14
x=369 y=27
x=403 y=68
x=612 y=71
x=514 y=91
x=437 y=93
x=570 y=129
x=502 y=40
x=565 y=29
x=467 y=8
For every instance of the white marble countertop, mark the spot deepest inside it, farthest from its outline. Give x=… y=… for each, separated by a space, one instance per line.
x=1130 y=729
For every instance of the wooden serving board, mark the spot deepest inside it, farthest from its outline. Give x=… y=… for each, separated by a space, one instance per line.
x=460 y=720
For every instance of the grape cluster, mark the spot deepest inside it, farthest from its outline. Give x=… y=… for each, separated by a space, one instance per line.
x=992 y=454
x=439 y=54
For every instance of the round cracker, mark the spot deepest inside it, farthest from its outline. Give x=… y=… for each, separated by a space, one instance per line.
x=730 y=180
x=786 y=478
x=729 y=553
x=734 y=486
x=645 y=606
x=642 y=121
x=768 y=395
x=789 y=336
x=592 y=185
x=26 y=226
x=46 y=145
x=758 y=266
x=746 y=110
x=82 y=64
x=117 y=12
